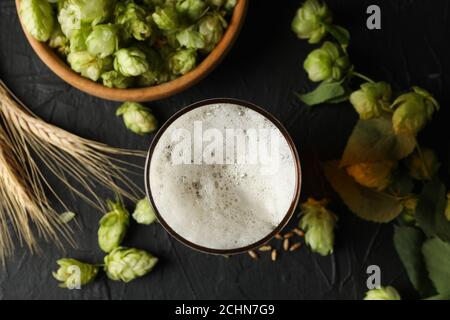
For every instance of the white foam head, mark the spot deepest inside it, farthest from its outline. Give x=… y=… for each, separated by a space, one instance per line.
x=216 y=193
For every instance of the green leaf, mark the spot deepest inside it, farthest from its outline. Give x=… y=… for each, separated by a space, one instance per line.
x=339 y=33
x=375 y=140
x=430 y=211
x=366 y=203
x=408 y=242
x=444 y=296
x=325 y=92
x=402 y=184
x=437 y=259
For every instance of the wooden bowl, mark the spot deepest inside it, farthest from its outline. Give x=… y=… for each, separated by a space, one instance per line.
x=60 y=67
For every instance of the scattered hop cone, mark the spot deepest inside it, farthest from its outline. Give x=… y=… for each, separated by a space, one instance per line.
x=130 y=62
x=144 y=213
x=371 y=99
x=383 y=293
x=113 y=227
x=318 y=223
x=74 y=274
x=423 y=169
x=311 y=20
x=375 y=175
x=37 y=17
x=327 y=63
x=413 y=110
x=137 y=118
x=124 y=264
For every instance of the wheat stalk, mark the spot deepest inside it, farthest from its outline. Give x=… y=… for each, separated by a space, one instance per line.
x=27 y=143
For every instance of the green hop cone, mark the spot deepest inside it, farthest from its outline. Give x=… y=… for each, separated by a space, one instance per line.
x=318 y=223
x=191 y=38
x=114 y=79
x=376 y=175
x=88 y=65
x=228 y=5
x=166 y=18
x=124 y=264
x=134 y=21
x=130 y=62
x=144 y=213
x=413 y=111
x=113 y=226
x=327 y=63
x=137 y=118
x=74 y=274
x=59 y=42
x=182 y=61
x=311 y=20
x=103 y=41
x=37 y=17
x=383 y=293
x=423 y=165
x=75 y=13
x=192 y=9
x=78 y=39
x=371 y=99
x=212 y=27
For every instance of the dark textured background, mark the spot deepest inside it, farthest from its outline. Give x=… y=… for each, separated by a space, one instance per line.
x=264 y=67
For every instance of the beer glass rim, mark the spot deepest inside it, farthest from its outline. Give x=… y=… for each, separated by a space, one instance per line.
x=286 y=135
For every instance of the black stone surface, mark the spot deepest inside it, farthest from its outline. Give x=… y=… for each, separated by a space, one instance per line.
x=264 y=67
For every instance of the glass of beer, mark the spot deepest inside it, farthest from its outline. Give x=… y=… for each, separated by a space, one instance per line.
x=223 y=176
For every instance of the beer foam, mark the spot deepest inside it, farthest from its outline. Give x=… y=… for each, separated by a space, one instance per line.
x=222 y=206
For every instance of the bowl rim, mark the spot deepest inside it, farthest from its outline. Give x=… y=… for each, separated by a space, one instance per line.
x=214 y=58
x=298 y=186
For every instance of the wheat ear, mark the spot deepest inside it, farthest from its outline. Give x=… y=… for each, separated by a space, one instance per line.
x=28 y=144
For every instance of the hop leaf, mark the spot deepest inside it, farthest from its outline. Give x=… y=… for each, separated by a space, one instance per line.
x=113 y=227
x=375 y=175
x=310 y=21
x=423 y=166
x=318 y=223
x=128 y=264
x=383 y=293
x=73 y=273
